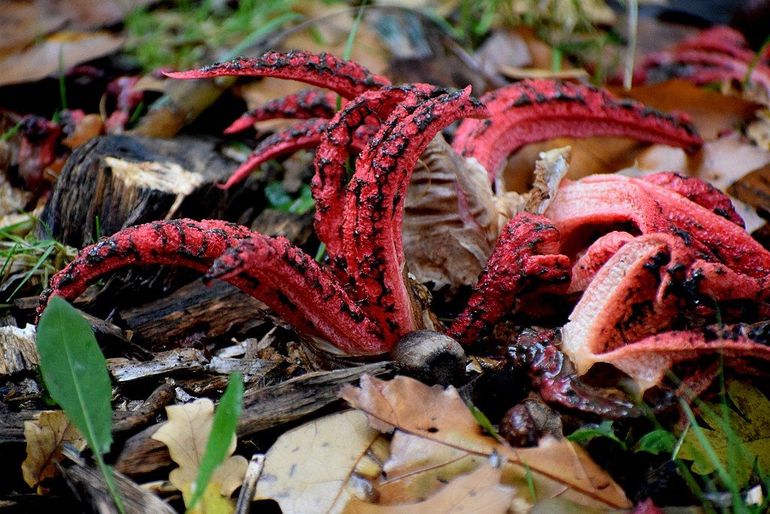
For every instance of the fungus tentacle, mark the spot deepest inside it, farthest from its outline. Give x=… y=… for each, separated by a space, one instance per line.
x=537 y=110
x=331 y=161
x=305 y=134
x=271 y=270
x=698 y=191
x=374 y=205
x=303 y=105
x=614 y=199
x=306 y=293
x=346 y=78
x=524 y=256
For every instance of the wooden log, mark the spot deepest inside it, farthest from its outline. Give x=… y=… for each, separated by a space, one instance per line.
x=209 y=311
x=117 y=181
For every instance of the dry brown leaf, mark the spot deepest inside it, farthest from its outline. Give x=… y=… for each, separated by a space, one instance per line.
x=186 y=433
x=477 y=491
x=23 y=21
x=322 y=465
x=45 y=438
x=439 y=416
x=60 y=51
x=711 y=112
x=450 y=221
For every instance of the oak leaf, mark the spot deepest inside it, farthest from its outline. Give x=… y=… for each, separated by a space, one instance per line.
x=186 y=433
x=436 y=438
x=477 y=491
x=322 y=465
x=745 y=432
x=45 y=438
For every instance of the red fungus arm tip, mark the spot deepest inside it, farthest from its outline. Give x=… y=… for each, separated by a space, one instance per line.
x=346 y=78
x=305 y=134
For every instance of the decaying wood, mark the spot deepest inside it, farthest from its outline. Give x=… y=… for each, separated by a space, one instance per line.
x=91 y=482
x=126 y=421
x=116 y=181
x=164 y=363
x=253 y=472
x=271 y=406
x=209 y=310
x=17 y=350
x=263 y=408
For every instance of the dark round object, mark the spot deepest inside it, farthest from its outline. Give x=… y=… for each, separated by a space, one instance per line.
x=429 y=356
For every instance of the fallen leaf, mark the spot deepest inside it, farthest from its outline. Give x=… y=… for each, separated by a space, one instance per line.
x=477 y=491
x=720 y=162
x=55 y=54
x=456 y=198
x=45 y=438
x=436 y=437
x=322 y=465
x=749 y=422
x=186 y=433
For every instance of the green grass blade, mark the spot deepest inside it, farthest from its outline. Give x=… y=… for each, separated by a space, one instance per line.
x=48 y=251
x=222 y=433
x=75 y=374
x=260 y=33
x=350 y=40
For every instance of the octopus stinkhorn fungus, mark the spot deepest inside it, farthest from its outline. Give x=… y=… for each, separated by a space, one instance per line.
x=363 y=305
x=525 y=112
x=717 y=54
x=684 y=251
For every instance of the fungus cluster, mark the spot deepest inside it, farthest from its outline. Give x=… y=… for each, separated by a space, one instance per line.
x=716 y=55
x=667 y=242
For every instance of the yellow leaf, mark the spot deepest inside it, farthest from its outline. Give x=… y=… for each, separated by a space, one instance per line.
x=185 y=433
x=45 y=438
x=437 y=437
x=322 y=465
x=478 y=491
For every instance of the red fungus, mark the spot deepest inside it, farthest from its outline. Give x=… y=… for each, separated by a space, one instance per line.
x=717 y=54
x=371 y=236
x=521 y=113
x=537 y=110
x=614 y=199
x=305 y=134
x=339 y=308
x=345 y=78
x=306 y=104
x=524 y=256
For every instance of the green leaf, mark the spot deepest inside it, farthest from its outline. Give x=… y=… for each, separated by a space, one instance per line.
x=277 y=196
x=588 y=432
x=739 y=440
x=304 y=201
x=657 y=441
x=281 y=200
x=222 y=433
x=75 y=374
